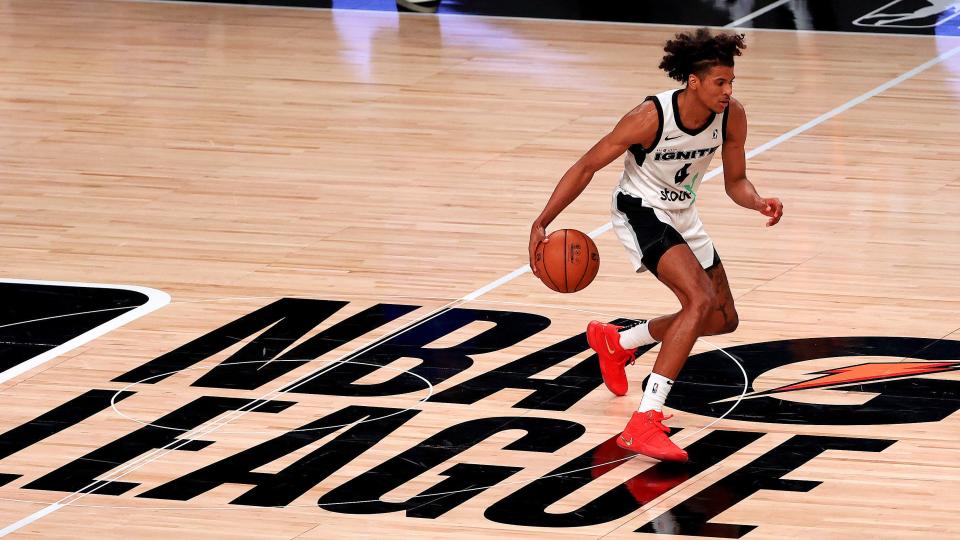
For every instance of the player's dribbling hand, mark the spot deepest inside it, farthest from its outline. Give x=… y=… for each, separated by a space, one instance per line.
x=772 y=208
x=537 y=234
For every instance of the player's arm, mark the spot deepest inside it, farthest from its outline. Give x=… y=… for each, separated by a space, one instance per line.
x=639 y=126
x=735 y=180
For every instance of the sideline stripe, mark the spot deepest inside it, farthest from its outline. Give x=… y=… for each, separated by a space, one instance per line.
x=30 y=519
x=855 y=101
x=525 y=268
x=494 y=284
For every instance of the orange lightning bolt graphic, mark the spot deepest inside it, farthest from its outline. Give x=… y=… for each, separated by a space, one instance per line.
x=876 y=371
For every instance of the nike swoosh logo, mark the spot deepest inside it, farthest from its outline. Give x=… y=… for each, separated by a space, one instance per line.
x=628 y=442
x=672 y=138
x=607 y=343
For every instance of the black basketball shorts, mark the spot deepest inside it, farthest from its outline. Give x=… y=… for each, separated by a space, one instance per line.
x=647 y=232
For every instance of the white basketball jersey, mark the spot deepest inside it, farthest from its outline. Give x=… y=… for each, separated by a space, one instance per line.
x=667 y=174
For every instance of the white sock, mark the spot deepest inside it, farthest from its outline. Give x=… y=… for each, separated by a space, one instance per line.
x=637 y=336
x=655 y=394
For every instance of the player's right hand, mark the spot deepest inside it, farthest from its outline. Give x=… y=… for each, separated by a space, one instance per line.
x=773 y=209
x=537 y=234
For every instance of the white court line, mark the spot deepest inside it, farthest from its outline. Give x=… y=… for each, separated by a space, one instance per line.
x=155 y=300
x=755 y=14
x=494 y=284
x=30 y=519
x=65 y=315
x=525 y=268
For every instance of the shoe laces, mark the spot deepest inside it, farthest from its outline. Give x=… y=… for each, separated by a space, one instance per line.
x=658 y=422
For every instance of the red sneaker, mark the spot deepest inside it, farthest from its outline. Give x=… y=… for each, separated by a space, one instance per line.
x=604 y=339
x=645 y=434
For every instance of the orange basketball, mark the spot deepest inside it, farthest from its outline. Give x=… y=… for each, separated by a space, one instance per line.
x=568 y=262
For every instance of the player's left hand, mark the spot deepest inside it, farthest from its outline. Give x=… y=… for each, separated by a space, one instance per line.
x=538 y=235
x=772 y=208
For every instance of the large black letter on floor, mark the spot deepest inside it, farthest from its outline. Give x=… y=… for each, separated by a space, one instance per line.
x=438 y=364
x=464 y=480
x=691 y=517
x=282 y=323
x=284 y=487
x=528 y=505
x=558 y=394
x=51 y=422
x=82 y=473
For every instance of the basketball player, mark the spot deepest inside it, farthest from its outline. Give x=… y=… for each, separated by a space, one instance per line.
x=669 y=141
x=420 y=6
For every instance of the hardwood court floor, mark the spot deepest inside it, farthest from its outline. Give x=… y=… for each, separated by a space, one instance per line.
x=235 y=156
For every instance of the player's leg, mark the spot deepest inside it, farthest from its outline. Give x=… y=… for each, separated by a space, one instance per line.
x=648 y=234
x=421 y=6
x=645 y=236
x=679 y=269
x=723 y=318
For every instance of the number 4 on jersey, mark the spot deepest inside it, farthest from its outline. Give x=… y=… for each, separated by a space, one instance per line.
x=682 y=174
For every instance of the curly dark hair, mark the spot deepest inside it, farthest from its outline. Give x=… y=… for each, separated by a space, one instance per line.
x=699 y=51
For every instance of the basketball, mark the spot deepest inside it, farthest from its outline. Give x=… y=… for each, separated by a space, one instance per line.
x=568 y=262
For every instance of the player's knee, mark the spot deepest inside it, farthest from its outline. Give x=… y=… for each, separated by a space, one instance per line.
x=701 y=304
x=724 y=318
x=731 y=320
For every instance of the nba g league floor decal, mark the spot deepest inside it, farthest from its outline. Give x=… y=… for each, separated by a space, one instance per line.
x=273 y=341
